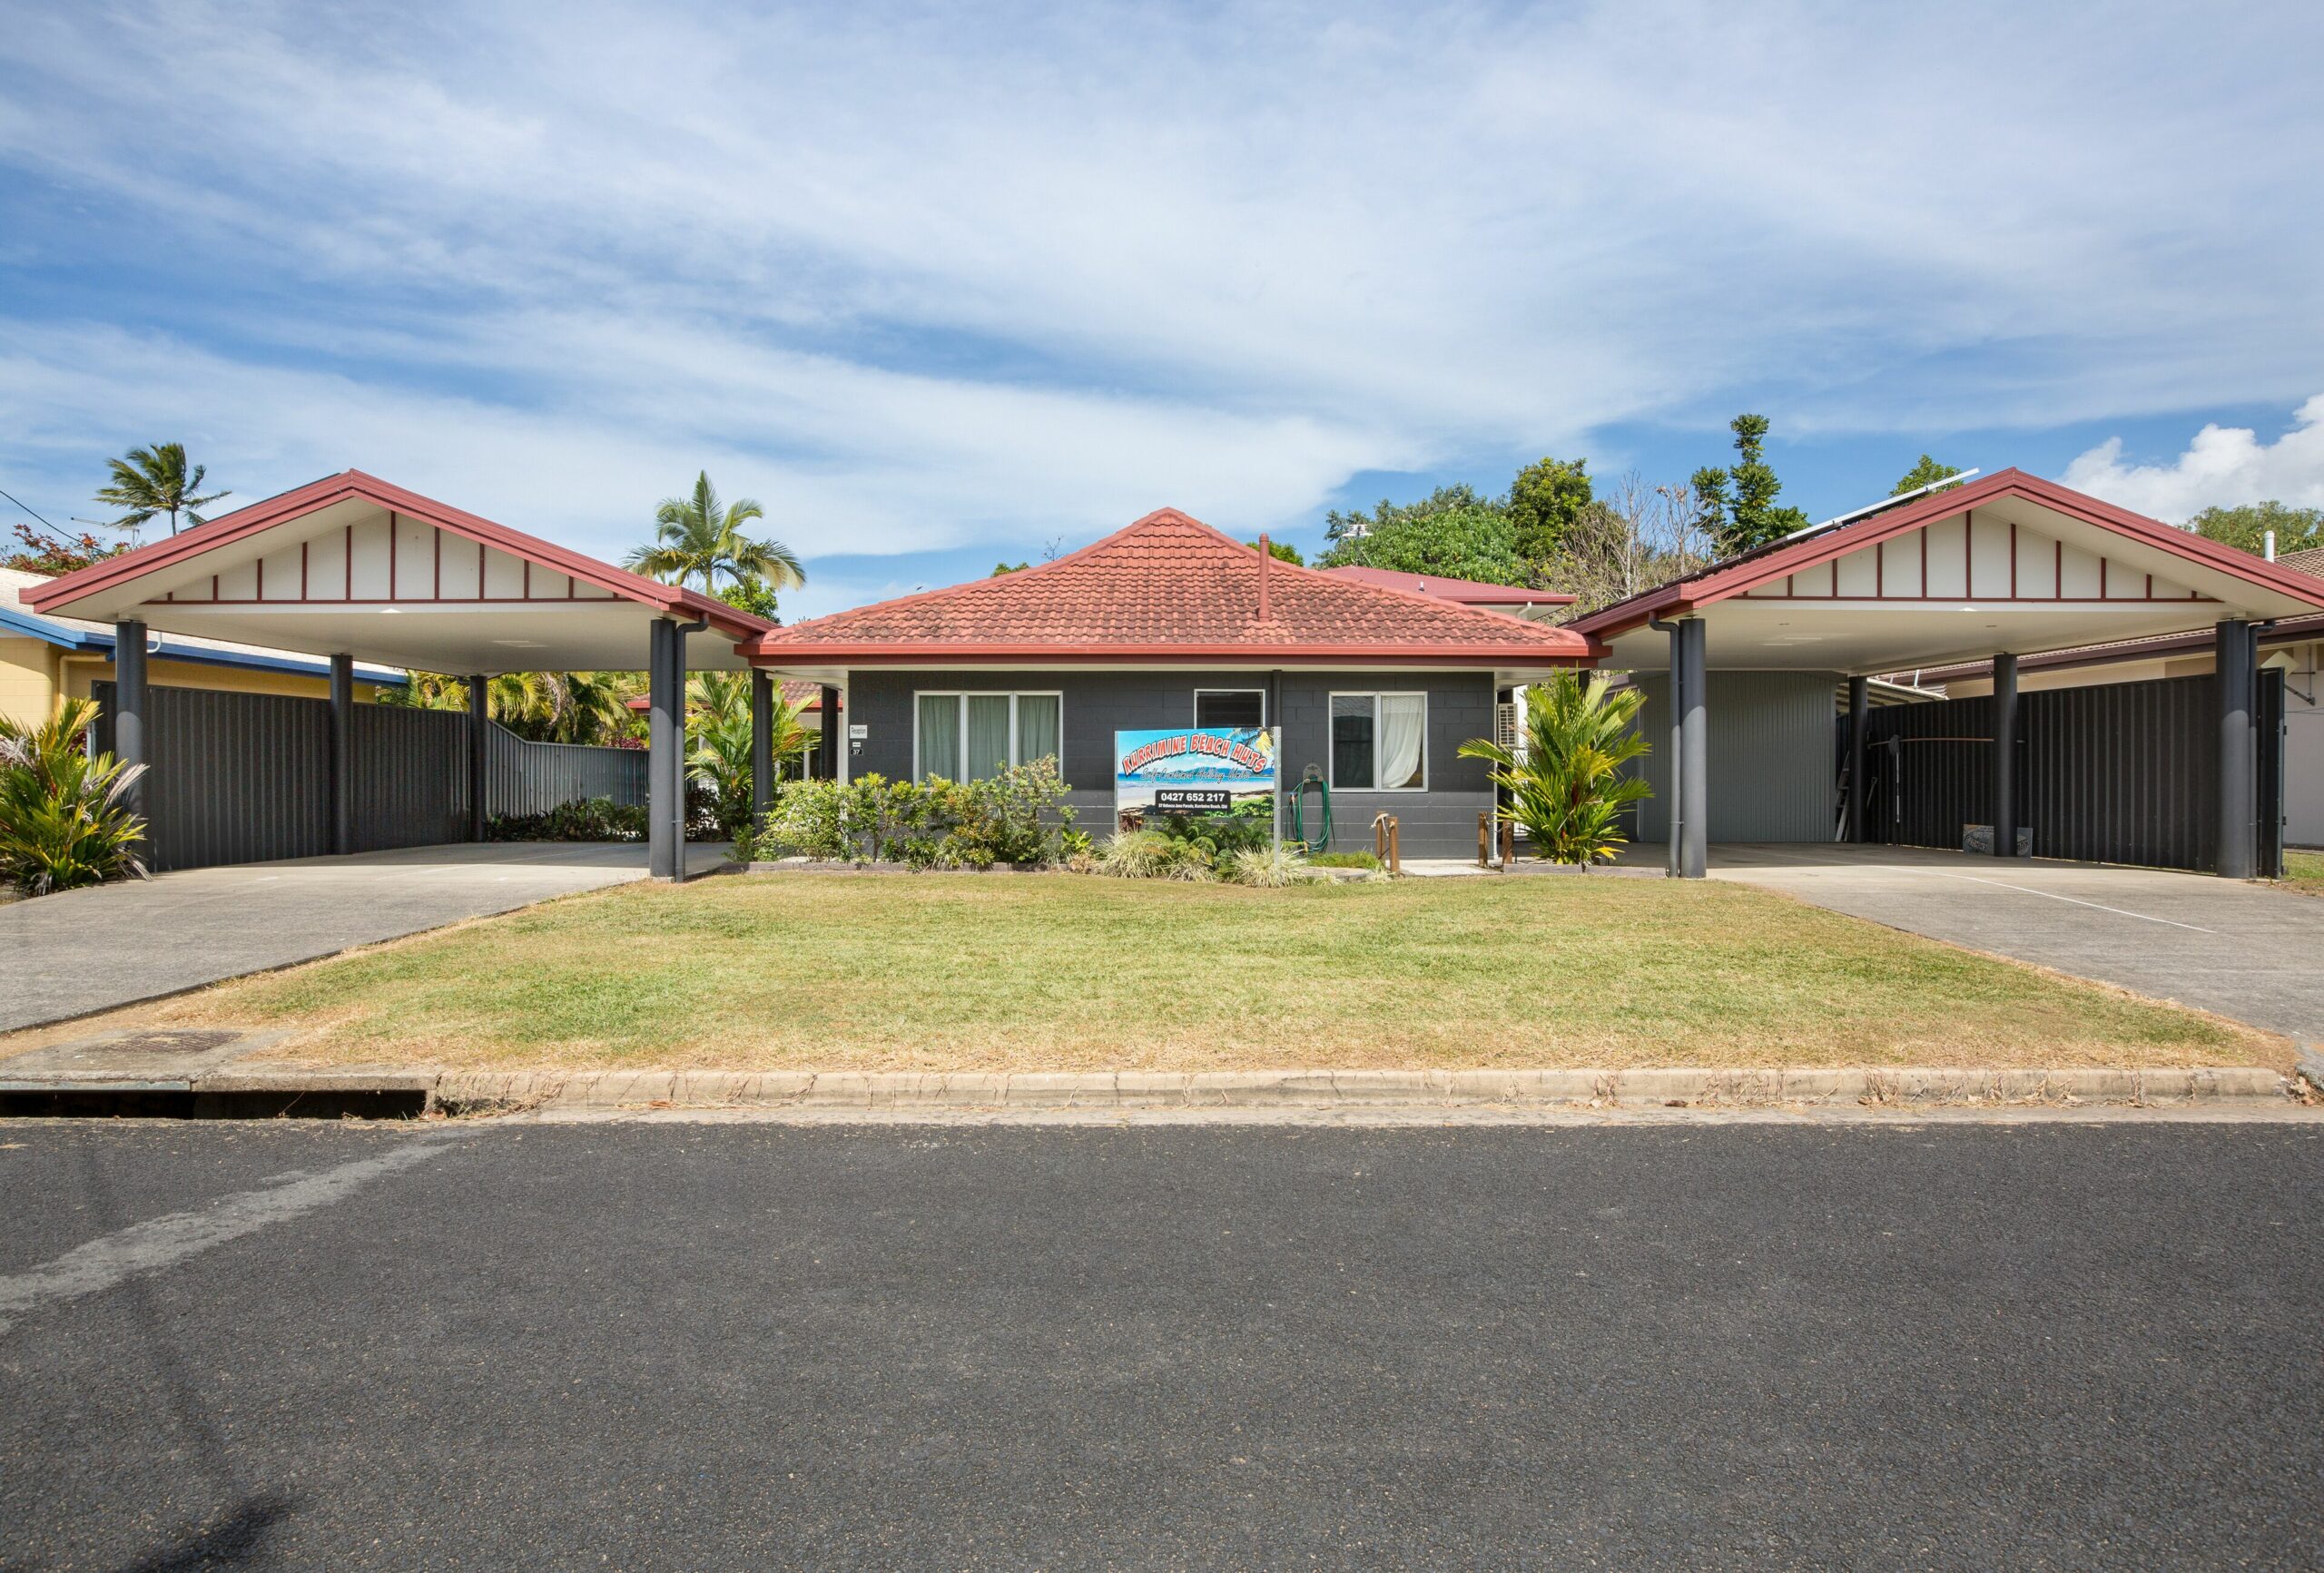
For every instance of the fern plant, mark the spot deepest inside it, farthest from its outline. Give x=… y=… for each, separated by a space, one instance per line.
x=62 y=822
x=1568 y=792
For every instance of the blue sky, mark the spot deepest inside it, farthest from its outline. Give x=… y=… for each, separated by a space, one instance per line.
x=943 y=285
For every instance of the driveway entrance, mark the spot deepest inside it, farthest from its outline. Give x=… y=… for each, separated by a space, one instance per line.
x=2242 y=950
x=87 y=950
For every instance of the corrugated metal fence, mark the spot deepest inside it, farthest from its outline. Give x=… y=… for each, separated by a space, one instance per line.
x=231 y=777
x=245 y=778
x=2124 y=773
x=411 y=769
x=521 y=777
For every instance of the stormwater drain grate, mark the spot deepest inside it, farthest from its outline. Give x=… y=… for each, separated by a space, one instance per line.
x=150 y=1049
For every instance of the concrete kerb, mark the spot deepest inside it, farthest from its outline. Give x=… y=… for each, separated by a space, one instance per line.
x=890 y=1091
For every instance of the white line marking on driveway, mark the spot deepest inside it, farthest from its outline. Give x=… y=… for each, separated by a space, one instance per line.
x=166 y=1241
x=2053 y=895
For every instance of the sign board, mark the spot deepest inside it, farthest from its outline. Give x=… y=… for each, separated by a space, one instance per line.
x=859 y=731
x=1191 y=770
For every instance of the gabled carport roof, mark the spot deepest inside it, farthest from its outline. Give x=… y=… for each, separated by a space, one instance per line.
x=511 y=601
x=1904 y=587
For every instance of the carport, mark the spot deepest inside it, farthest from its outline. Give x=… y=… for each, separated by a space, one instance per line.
x=1747 y=665
x=353 y=568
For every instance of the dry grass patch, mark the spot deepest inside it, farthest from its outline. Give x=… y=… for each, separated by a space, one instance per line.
x=2304 y=872
x=1066 y=972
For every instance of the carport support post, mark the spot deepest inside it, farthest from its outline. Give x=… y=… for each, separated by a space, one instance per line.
x=1693 y=774
x=1859 y=719
x=2004 y=756
x=479 y=718
x=342 y=753
x=828 y=744
x=664 y=771
x=130 y=702
x=2238 y=841
x=762 y=746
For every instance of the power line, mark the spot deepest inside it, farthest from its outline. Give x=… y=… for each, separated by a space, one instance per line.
x=27 y=508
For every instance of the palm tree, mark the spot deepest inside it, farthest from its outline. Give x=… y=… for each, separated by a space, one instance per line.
x=696 y=538
x=1568 y=791
x=153 y=480
x=718 y=739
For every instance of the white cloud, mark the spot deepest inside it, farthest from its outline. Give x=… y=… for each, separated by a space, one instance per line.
x=2222 y=467
x=921 y=276
x=847 y=460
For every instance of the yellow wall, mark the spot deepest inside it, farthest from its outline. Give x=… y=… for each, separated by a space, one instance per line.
x=33 y=672
x=28 y=678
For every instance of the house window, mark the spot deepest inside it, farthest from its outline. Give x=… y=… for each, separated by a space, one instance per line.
x=1230 y=707
x=976 y=736
x=1379 y=741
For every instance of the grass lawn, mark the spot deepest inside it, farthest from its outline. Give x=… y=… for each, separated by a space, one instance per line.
x=1000 y=972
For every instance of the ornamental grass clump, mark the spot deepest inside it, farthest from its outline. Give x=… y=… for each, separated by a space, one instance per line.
x=1271 y=868
x=1568 y=791
x=62 y=822
x=1152 y=855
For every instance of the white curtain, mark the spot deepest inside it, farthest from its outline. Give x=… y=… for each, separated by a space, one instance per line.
x=1037 y=727
x=939 y=736
x=987 y=736
x=1404 y=717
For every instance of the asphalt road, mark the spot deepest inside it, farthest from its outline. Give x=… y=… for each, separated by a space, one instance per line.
x=759 y=1346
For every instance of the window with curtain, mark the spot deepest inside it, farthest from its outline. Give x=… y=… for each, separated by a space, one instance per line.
x=976 y=736
x=1379 y=741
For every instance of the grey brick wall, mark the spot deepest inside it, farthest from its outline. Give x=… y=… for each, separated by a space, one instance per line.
x=1440 y=822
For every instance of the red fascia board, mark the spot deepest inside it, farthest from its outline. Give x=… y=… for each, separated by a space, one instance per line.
x=954 y=654
x=316 y=494
x=1720 y=584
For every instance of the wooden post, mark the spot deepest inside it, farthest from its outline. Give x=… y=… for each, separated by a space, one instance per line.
x=1508 y=844
x=1484 y=841
x=1395 y=846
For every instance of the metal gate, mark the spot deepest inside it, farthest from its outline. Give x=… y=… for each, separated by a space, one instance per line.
x=2124 y=773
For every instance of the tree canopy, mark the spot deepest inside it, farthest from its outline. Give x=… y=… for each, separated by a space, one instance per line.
x=1926 y=473
x=2246 y=527
x=42 y=552
x=1453 y=532
x=1544 y=502
x=1281 y=551
x=1738 y=503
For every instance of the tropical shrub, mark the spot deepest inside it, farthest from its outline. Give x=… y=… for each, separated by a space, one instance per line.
x=1568 y=792
x=593 y=820
x=1218 y=835
x=62 y=822
x=1017 y=817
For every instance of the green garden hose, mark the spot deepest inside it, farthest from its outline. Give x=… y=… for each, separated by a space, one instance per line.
x=1313 y=776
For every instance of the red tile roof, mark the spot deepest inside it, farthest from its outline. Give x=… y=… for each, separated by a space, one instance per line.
x=1168 y=588
x=1468 y=592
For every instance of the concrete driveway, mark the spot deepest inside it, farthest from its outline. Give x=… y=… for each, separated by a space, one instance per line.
x=88 y=950
x=2246 y=951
